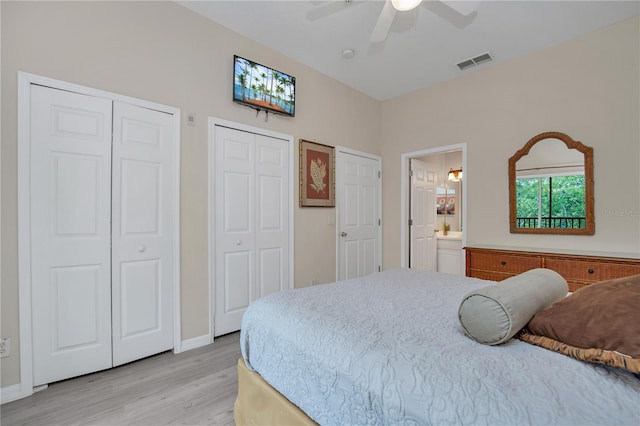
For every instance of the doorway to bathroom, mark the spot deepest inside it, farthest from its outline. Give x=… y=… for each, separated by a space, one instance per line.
x=433 y=209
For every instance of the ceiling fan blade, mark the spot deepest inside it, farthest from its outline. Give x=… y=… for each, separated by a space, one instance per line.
x=381 y=30
x=464 y=8
x=329 y=8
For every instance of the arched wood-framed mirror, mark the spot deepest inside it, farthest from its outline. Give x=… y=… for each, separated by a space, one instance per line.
x=551 y=187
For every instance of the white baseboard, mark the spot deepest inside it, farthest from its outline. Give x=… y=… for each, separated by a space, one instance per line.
x=196 y=342
x=13 y=392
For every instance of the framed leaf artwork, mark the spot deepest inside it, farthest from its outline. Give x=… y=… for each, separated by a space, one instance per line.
x=317 y=163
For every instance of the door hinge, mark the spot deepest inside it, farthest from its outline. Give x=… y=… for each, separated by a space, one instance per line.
x=410 y=173
x=410 y=222
x=379 y=174
x=379 y=268
x=379 y=223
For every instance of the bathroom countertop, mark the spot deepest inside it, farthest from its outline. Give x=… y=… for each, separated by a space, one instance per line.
x=451 y=235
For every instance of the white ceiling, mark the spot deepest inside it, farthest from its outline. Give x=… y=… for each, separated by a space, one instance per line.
x=423 y=45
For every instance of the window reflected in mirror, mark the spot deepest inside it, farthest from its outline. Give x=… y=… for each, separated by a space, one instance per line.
x=551 y=186
x=550 y=202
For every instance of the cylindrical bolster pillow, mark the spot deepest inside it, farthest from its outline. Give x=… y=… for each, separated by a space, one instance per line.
x=492 y=315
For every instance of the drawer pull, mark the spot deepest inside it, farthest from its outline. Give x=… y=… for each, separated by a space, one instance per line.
x=503 y=262
x=591 y=271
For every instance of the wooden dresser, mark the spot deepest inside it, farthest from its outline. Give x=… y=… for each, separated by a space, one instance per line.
x=578 y=270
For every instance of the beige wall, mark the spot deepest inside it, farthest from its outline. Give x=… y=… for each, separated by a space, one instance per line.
x=588 y=88
x=167 y=54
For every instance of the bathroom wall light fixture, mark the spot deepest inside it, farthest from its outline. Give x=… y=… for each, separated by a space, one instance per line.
x=455 y=175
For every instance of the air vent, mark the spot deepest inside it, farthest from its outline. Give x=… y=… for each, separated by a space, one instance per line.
x=466 y=64
x=472 y=62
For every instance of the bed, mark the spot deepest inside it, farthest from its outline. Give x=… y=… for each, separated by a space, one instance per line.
x=389 y=348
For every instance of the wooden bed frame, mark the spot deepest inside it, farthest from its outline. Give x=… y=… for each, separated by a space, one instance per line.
x=258 y=403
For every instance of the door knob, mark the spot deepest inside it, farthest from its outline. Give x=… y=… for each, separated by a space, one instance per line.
x=141 y=248
x=238 y=242
x=343 y=234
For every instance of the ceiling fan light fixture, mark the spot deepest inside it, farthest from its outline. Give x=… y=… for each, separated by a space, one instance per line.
x=404 y=5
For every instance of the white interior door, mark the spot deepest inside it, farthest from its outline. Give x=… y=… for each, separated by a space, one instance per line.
x=70 y=230
x=142 y=263
x=423 y=242
x=251 y=216
x=359 y=221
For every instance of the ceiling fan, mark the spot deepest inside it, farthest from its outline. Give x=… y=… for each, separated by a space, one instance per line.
x=391 y=7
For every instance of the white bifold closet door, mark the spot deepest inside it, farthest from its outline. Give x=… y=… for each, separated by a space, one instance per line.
x=141 y=255
x=87 y=187
x=251 y=222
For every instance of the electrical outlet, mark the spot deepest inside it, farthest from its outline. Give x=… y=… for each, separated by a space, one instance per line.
x=5 y=347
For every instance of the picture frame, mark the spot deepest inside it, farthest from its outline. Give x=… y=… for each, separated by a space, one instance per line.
x=445 y=201
x=317 y=174
x=440 y=205
x=450 y=205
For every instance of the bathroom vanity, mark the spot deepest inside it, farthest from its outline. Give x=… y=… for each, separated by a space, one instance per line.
x=450 y=252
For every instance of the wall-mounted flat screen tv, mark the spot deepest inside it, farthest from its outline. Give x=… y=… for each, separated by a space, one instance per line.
x=261 y=87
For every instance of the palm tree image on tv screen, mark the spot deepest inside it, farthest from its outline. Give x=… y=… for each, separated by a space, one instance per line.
x=263 y=88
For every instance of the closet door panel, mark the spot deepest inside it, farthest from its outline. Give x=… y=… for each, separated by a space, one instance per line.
x=271 y=278
x=272 y=213
x=142 y=202
x=140 y=299
x=76 y=188
x=76 y=326
x=140 y=198
x=234 y=183
x=238 y=279
x=70 y=171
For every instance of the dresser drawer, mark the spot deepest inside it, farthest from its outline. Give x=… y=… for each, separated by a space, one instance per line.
x=497 y=262
x=579 y=270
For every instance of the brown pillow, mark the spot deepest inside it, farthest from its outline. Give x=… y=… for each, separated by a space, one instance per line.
x=598 y=323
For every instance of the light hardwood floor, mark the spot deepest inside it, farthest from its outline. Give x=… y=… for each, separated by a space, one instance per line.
x=196 y=387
